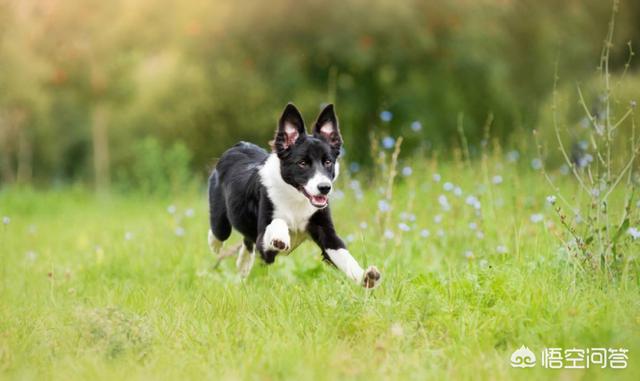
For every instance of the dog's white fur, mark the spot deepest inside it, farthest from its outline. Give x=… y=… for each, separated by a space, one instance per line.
x=346 y=263
x=277 y=230
x=245 y=261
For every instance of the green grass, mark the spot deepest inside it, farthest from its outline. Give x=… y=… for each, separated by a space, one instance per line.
x=80 y=301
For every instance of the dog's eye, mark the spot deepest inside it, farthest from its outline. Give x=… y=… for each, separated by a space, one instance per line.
x=328 y=163
x=302 y=164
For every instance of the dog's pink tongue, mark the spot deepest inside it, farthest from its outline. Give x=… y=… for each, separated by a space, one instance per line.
x=320 y=199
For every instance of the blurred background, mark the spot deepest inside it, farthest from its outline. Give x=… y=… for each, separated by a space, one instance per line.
x=145 y=95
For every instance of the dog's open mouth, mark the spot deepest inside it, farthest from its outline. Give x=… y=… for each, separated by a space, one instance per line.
x=319 y=201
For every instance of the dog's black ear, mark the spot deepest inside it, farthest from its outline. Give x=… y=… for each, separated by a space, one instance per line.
x=326 y=127
x=290 y=129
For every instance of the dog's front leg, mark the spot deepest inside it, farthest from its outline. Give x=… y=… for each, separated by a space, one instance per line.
x=334 y=251
x=273 y=233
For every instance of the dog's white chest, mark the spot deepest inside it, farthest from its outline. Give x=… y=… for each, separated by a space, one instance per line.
x=297 y=218
x=288 y=204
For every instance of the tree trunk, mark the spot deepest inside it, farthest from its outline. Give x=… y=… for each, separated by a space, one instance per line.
x=6 y=160
x=100 y=140
x=25 y=148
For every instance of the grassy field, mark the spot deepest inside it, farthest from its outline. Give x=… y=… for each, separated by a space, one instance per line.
x=123 y=288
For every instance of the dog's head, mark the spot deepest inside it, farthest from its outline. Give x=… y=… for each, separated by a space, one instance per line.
x=309 y=163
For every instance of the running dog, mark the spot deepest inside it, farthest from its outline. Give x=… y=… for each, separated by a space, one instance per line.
x=276 y=200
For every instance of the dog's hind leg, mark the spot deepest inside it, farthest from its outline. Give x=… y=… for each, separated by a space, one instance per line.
x=214 y=244
x=220 y=225
x=246 y=258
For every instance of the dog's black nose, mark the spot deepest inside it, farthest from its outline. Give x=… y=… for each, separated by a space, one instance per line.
x=324 y=188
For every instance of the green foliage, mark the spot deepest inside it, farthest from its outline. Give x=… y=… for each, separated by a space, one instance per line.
x=574 y=124
x=154 y=170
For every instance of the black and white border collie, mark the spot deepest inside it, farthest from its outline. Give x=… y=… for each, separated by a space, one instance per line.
x=277 y=200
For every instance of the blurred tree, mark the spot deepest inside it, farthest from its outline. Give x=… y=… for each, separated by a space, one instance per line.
x=21 y=80
x=90 y=45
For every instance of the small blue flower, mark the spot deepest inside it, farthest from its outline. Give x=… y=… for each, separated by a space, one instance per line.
x=583 y=144
x=386 y=116
x=179 y=231
x=473 y=201
x=551 y=199
x=537 y=217
x=424 y=233
x=513 y=156
x=404 y=227
x=497 y=179
x=634 y=232
x=416 y=126
x=501 y=249
x=536 y=163
x=444 y=203
x=448 y=186
x=585 y=160
x=388 y=234
x=384 y=206
x=6 y=220
x=171 y=209
x=388 y=142
x=407 y=171
x=436 y=177
x=354 y=167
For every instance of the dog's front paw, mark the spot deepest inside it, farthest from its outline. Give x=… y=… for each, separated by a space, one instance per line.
x=276 y=236
x=279 y=244
x=371 y=277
